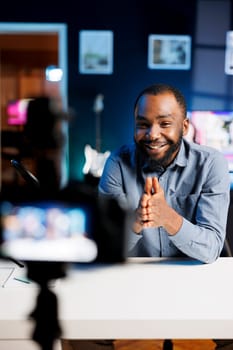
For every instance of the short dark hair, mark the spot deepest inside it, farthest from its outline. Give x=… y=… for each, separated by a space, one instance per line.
x=156 y=89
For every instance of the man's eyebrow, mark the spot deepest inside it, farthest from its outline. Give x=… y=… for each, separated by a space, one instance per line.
x=166 y=116
x=141 y=117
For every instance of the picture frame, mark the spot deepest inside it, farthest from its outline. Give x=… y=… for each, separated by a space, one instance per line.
x=229 y=53
x=96 y=52
x=169 y=51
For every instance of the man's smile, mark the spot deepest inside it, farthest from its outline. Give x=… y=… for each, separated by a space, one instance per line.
x=154 y=147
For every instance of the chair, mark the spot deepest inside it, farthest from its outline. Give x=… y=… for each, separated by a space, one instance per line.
x=226 y=251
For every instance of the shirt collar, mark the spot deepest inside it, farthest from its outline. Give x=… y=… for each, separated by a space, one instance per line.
x=181 y=158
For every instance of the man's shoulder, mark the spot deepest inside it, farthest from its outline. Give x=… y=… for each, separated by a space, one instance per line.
x=123 y=156
x=124 y=151
x=203 y=156
x=202 y=149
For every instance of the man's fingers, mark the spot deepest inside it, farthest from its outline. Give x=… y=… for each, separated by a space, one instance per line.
x=148 y=186
x=151 y=185
x=155 y=185
x=143 y=201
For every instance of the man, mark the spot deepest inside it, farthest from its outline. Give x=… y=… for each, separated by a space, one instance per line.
x=179 y=190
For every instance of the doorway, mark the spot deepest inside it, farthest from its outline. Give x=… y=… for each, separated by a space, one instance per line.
x=26 y=50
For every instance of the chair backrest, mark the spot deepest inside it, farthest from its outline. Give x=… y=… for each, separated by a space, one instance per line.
x=226 y=251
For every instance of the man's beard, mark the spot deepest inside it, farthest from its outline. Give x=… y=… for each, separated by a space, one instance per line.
x=154 y=164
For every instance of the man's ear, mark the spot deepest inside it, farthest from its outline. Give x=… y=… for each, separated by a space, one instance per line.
x=185 y=126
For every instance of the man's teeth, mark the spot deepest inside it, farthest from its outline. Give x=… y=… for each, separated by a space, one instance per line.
x=155 y=146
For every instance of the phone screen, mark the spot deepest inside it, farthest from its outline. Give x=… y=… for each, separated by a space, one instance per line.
x=47 y=231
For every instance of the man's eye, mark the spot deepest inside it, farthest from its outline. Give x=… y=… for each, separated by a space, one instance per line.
x=142 y=126
x=165 y=125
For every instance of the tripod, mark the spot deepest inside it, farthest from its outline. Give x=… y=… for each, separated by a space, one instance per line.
x=47 y=328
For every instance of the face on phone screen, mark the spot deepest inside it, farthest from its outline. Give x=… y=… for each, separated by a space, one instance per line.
x=47 y=231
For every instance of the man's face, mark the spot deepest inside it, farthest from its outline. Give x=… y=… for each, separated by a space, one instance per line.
x=159 y=127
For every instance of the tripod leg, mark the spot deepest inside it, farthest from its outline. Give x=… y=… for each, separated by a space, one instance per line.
x=47 y=328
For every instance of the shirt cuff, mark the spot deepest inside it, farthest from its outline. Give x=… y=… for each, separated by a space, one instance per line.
x=184 y=235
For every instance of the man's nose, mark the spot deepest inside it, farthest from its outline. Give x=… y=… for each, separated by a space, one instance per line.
x=153 y=132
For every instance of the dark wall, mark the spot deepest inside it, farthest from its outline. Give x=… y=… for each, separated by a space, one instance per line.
x=205 y=85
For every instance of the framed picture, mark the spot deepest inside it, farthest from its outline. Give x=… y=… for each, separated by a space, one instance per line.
x=169 y=51
x=96 y=52
x=229 y=53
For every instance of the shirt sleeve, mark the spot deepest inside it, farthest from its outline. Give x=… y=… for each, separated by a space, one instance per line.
x=111 y=182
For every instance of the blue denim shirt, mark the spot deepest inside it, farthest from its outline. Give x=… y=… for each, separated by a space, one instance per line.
x=196 y=185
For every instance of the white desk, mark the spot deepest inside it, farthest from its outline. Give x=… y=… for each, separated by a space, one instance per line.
x=144 y=298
